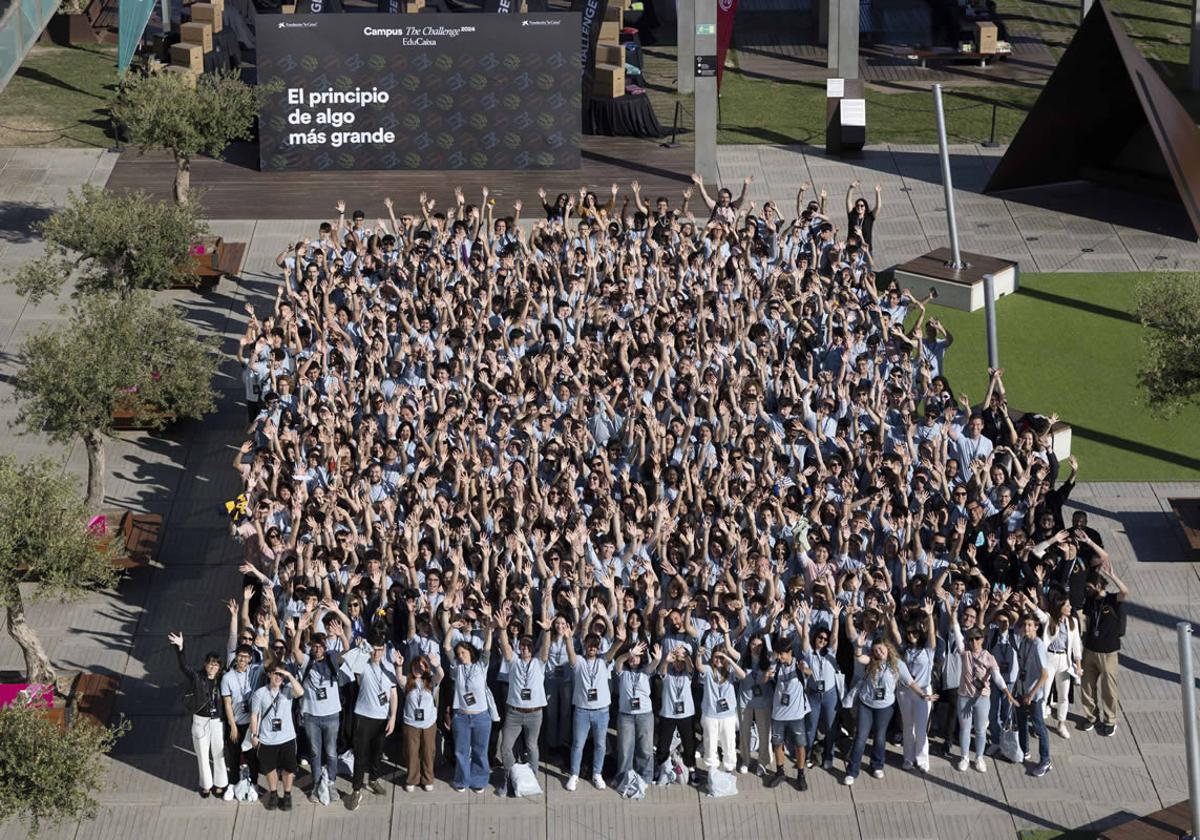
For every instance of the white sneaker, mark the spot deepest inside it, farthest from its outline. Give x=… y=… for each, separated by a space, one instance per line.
x=1063 y=731
x=877 y=773
x=598 y=781
x=427 y=788
x=572 y=782
x=848 y=780
x=961 y=764
x=981 y=765
x=743 y=769
x=409 y=788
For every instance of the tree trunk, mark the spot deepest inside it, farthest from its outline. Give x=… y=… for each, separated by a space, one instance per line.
x=93 y=442
x=183 y=178
x=37 y=665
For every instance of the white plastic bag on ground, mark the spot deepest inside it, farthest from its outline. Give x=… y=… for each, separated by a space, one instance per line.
x=323 y=787
x=229 y=793
x=1010 y=746
x=523 y=781
x=245 y=790
x=721 y=783
x=346 y=763
x=632 y=786
x=671 y=771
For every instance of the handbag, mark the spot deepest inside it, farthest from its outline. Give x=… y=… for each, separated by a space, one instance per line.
x=1010 y=746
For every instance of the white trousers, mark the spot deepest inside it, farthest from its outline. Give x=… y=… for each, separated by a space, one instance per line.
x=1059 y=666
x=914 y=722
x=720 y=732
x=208 y=740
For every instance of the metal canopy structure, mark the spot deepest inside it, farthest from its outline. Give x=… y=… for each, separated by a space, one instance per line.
x=1105 y=116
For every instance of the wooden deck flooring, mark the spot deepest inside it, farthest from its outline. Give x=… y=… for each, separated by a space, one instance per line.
x=235 y=189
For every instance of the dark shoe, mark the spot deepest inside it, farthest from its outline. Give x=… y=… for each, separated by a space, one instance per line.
x=1042 y=769
x=376 y=787
x=272 y=801
x=1107 y=729
x=759 y=770
x=204 y=794
x=801 y=781
x=697 y=778
x=356 y=799
x=219 y=793
x=775 y=778
x=1088 y=725
x=285 y=804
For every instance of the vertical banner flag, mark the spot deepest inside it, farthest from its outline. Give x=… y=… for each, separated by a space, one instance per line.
x=591 y=17
x=726 y=10
x=389 y=7
x=132 y=17
x=502 y=7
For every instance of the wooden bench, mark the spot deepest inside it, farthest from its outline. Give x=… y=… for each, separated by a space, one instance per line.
x=922 y=57
x=1060 y=434
x=1188 y=513
x=139 y=534
x=93 y=698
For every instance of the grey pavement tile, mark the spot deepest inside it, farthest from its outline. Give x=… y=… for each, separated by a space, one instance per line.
x=800 y=821
x=255 y=822
x=429 y=822
x=894 y=820
x=503 y=819
x=729 y=817
x=974 y=825
x=945 y=785
x=619 y=819
x=1102 y=783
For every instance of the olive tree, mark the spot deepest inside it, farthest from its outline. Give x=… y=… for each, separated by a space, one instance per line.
x=44 y=543
x=113 y=242
x=115 y=353
x=1168 y=305
x=49 y=775
x=165 y=111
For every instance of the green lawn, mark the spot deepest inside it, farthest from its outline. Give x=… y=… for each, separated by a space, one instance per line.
x=59 y=97
x=1068 y=344
x=761 y=111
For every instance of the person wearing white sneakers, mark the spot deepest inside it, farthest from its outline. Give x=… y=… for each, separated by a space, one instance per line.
x=754 y=699
x=718 y=706
x=1064 y=651
x=1030 y=688
x=974 y=695
x=591 y=699
x=875 y=693
x=419 y=717
x=919 y=645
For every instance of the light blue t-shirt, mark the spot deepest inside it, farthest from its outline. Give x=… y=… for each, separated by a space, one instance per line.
x=274 y=715
x=321 y=697
x=676 y=698
x=879 y=692
x=526 y=682
x=591 y=684
x=420 y=708
x=375 y=684
x=633 y=691
x=790 y=701
x=719 y=697
x=470 y=687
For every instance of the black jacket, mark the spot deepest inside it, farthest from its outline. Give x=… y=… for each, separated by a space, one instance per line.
x=203 y=696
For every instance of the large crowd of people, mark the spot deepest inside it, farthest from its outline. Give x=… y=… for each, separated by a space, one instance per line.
x=638 y=492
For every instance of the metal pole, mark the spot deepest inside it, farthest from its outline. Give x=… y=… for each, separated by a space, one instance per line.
x=685 y=62
x=1194 y=50
x=947 y=183
x=847 y=39
x=989 y=312
x=1187 y=684
x=705 y=89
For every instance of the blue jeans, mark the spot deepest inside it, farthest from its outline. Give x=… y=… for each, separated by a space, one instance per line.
x=972 y=717
x=471 y=733
x=322 y=732
x=870 y=722
x=822 y=715
x=1034 y=713
x=594 y=722
x=1000 y=716
x=635 y=745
